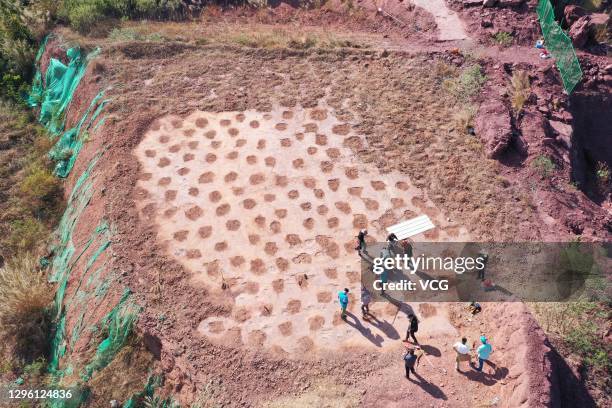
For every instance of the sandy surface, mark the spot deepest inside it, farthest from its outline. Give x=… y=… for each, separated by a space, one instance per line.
x=450 y=26
x=269 y=204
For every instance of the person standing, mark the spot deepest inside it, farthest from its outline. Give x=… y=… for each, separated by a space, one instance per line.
x=413 y=327
x=410 y=361
x=463 y=352
x=361 y=243
x=365 y=301
x=484 y=351
x=343 y=299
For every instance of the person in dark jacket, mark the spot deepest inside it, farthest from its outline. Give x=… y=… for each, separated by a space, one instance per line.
x=410 y=361
x=413 y=327
x=361 y=243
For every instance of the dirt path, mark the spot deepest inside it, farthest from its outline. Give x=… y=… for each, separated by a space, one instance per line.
x=449 y=24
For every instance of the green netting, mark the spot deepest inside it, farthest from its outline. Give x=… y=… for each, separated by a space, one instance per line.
x=91 y=284
x=89 y=289
x=153 y=383
x=54 y=94
x=119 y=323
x=67 y=148
x=560 y=46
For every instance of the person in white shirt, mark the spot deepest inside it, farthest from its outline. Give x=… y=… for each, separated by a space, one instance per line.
x=463 y=352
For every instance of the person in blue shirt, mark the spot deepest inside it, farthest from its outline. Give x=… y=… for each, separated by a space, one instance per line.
x=343 y=299
x=484 y=351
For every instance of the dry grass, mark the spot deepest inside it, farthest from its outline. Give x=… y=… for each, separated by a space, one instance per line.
x=253 y=36
x=24 y=309
x=464 y=119
x=323 y=394
x=520 y=89
x=125 y=376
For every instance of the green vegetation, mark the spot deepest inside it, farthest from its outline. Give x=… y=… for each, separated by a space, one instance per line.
x=16 y=51
x=544 y=166
x=520 y=89
x=467 y=84
x=131 y=34
x=579 y=329
x=603 y=173
x=503 y=38
x=85 y=15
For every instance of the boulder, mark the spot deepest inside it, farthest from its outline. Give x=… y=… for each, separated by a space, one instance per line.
x=472 y=3
x=572 y=13
x=580 y=30
x=562 y=131
x=493 y=126
x=488 y=3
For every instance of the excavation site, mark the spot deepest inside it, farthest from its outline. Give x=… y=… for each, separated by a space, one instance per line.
x=199 y=200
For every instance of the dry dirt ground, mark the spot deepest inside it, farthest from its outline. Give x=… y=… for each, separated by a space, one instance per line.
x=236 y=178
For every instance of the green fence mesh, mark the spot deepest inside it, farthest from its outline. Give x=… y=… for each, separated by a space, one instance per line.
x=88 y=291
x=560 y=46
x=54 y=94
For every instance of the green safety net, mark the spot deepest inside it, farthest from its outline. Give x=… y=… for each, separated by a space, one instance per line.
x=78 y=294
x=53 y=96
x=148 y=392
x=560 y=46
x=67 y=148
x=88 y=290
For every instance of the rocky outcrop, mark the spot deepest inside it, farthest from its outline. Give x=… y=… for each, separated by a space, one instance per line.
x=583 y=26
x=572 y=13
x=579 y=31
x=494 y=128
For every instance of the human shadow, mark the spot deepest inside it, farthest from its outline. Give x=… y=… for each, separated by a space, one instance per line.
x=428 y=387
x=402 y=306
x=431 y=350
x=384 y=326
x=484 y=377
x=366 y=332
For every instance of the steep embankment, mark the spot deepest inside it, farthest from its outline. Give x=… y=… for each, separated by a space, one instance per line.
x=95 y=312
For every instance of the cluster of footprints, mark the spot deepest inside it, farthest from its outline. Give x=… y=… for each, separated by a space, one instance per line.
x=269 y=204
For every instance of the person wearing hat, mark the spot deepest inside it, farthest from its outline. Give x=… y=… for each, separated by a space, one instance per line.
x=484 y=351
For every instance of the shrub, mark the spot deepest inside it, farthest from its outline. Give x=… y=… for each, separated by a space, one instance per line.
x=24 y=310
x=85 y=16
x=520 y=89
x=503 y=38
x=158 y=8
x=26 y=234
x=603 y=173
x=544 y=165
x=16 y=51
x=464 y=119
x=39 y=185
x=468 y=84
